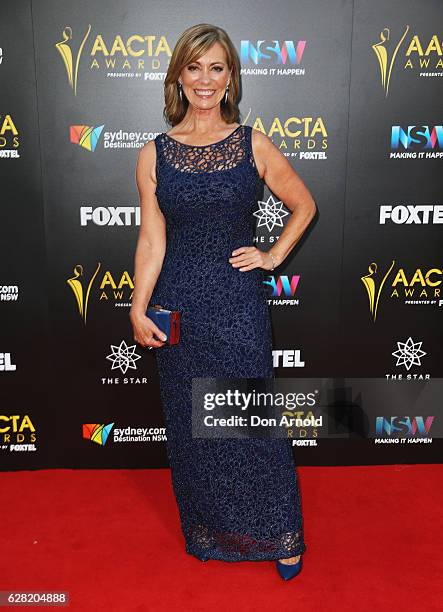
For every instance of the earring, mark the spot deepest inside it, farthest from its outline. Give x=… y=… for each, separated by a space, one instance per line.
x=180 y=88
x=226 y=94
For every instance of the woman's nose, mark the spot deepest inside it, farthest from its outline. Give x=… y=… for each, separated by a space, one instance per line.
x=205 y=78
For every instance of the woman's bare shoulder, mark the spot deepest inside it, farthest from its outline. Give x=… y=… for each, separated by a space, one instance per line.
x=261 y=140
x=146 y=162
x=261 y=147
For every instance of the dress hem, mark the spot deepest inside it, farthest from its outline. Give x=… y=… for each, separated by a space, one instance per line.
x=221 y=557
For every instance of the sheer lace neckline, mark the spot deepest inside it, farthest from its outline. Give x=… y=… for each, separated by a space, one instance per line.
x=184 y=144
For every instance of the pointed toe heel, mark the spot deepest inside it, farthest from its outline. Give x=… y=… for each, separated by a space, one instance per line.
x=289 y=571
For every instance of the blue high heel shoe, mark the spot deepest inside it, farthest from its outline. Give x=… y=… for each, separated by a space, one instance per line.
x=289 y=571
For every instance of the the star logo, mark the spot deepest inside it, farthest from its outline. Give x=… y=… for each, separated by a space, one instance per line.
x=123 y=357
x=270 y=214
x=408 y=353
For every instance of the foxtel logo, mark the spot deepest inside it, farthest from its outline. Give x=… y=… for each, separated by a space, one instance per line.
x=110 y=215
x=287 y=358
x=5 y=363
x=420 y=214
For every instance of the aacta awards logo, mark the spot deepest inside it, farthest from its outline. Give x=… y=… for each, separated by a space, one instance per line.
x=382 y=52
x=119 y=291
x=422 y=288
x=9 y=137
x=17 y=433
x=126 y=57
x=307 y=136
x=418 y=55
x=81 y=291
x=71 y=63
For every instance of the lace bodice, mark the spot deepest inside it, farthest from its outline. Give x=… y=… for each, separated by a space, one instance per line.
x=222 y=155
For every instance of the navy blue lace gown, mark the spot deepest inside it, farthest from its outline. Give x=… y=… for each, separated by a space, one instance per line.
x=238 y=499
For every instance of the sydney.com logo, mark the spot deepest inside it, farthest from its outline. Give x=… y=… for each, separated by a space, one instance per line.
x=88 y=136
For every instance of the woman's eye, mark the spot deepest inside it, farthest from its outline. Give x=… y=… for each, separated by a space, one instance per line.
x=217 y=68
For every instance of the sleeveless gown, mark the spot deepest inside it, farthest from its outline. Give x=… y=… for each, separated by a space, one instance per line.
x=238 y=499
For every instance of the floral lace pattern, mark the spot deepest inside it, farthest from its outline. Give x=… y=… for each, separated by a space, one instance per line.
x=222 y=155
x=238 y=499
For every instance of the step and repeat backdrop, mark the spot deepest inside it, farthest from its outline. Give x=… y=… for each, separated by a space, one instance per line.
x=349 y=91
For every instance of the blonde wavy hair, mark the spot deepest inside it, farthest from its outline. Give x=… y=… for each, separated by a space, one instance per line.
x=192 y=44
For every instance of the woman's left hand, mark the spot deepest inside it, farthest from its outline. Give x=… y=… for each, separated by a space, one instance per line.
x=249 y=257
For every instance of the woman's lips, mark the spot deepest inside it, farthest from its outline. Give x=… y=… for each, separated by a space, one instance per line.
x=204 y=93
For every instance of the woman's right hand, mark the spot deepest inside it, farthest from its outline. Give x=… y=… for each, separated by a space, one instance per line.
x=145 y=329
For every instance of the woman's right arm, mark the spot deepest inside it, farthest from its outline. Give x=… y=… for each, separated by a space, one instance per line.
x=151 y=247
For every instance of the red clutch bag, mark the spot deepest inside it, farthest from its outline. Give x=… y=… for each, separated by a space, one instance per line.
x=167 y=320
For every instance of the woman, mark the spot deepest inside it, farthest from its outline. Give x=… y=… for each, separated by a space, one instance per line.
x=238 y=499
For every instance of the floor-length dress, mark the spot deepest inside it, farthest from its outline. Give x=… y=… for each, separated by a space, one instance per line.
x=238 y=499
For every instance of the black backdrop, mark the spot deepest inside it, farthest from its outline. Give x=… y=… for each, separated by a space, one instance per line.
x=350 y=92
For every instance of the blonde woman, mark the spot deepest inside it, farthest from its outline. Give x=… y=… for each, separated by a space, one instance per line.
x=238 y=499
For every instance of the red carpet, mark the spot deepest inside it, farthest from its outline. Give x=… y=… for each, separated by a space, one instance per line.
x=112 y=539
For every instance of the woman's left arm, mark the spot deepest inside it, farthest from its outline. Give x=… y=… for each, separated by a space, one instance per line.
x=278 y=174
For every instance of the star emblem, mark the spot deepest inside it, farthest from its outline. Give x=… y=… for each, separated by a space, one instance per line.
x=270 y=213
x=408 y=353
x=123 y=357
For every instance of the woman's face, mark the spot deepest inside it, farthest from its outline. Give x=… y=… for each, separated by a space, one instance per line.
x=204 y=81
